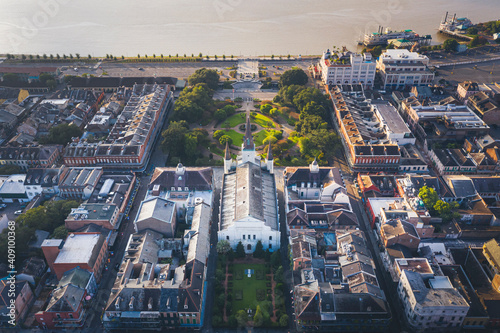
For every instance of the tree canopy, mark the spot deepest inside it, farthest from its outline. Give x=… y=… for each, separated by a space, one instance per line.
x=182 y=143
x=47 y=217
x=292 y=77
x=450 y=45
x=61 y=134
x=223 y=247
x=205 y=75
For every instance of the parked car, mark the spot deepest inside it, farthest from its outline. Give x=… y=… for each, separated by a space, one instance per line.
x=3 y=206
x=18 y=212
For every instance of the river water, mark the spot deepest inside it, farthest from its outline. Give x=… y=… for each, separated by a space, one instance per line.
x=238 y=27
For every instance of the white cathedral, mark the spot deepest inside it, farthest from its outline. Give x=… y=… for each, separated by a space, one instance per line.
x=249 y=204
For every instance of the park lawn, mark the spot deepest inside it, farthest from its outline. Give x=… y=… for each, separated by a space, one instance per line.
x=248 y=285
x=262 y=120
x=235 y=120
x=235 y=136
x=259 y=137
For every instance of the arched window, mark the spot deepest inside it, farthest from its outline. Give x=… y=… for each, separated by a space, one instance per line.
x=249 y=247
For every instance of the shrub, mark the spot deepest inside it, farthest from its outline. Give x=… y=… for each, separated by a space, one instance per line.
x=261 y=294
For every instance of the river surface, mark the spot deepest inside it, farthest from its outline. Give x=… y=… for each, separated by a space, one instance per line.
x=238 y=27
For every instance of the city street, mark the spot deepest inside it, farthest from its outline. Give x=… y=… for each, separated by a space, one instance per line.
x=383 y=276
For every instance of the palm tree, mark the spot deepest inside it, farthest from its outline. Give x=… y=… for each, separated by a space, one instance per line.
x=154 y=55
x=89 y=56
x=52 y=57
x=31 y=57
x=64 y=56
x=44 y=56
x=200 y=55
x=70 y=56
x=58 y=56
x=77 y=55
x=38 y=56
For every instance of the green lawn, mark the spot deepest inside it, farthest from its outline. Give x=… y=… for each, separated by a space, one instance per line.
x=262 y=120
x=259 y=137
x=237 y=137
x=248 y=286
x=235 y=120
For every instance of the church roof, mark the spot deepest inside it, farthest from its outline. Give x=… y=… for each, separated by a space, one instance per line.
x=249 y=192
x=197 y=178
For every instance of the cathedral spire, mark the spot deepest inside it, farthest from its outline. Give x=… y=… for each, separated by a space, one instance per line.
x=248 y=139
x=227 y=155
x=269 y=152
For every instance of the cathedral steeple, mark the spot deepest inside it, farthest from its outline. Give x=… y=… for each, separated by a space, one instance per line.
x=270 y=159
x=248 y=139
x=227 y=159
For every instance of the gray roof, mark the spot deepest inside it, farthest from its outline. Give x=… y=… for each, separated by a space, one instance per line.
x=81 y=248
x=66 y=299
x=199 y=245
x=432 y=297
x=77 y=276
x=391 y=117
x=462 y=187
x=249 y=192
x=157 y=208
x=13 y=185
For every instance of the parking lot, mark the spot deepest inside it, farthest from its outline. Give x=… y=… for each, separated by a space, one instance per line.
x=11 y=209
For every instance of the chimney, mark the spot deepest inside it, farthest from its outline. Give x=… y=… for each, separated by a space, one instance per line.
x=131 y=303
x=117 y=303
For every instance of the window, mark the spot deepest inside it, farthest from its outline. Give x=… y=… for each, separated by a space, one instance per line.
x=71 y=315
x=249 y=247
x=253 y=236
x=270 y=246
x=186 y=188
x=243 y=236
x=58 y=315
x=249 y=237
x=227 y=237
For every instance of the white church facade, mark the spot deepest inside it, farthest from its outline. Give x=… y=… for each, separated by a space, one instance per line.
x=249 y=204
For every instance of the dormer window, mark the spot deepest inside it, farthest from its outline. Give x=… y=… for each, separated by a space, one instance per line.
x=172 y=188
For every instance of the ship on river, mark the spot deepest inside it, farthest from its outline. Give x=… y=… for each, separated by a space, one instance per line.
x=455 y=27
x=382 y=37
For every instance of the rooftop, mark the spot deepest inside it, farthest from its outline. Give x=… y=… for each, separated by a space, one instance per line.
x=443 y=295
x=249 y=192
x=81 y=248
x=157 y=208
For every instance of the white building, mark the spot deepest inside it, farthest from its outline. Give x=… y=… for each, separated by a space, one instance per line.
x=348 y=68
x=400 y=68
x=249 y=207
x=392 y=124
x=433 y=305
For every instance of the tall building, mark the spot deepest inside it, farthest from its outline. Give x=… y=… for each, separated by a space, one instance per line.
x=402 y=68
x=431 y=305
x=249 y=207
x=347 y=68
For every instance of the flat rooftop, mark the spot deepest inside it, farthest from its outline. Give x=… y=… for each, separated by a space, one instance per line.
x=78 y=248
x=418 y=265
x=391 y=117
